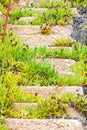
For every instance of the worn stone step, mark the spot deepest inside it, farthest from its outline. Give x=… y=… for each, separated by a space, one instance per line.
x=27 y=19
x=42 y=40
x=31 y=30
x=40 y=10
x=62 y=66
x=52 y=90
x=42 y=124
x=24 y=29
x=18 y=106
x=31 y=35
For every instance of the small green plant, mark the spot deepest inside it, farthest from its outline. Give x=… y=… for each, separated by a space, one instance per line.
x=5 y=3
x=60 y=16
x=63 y=42
x=1 y=26
x=45 y=29
x=19 y=67
x=17 y=13
x=3 y=9
x=81 y=105
x=52 y=107
x=78 y=3
x=3 y=127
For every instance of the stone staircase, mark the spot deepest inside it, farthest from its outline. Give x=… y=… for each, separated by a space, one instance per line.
x=31 y=36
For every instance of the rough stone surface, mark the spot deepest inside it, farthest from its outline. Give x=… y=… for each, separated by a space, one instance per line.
x=80 y=26
x=27 y=19
x=51 y=90
x=18 y=106
x=62 y=66
x=47 y=124
x=31 y=35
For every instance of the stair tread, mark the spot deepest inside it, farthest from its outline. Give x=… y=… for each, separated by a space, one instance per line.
x=50 y=90
x=18 y=106
x=43 y=124
x=62 y=66
x=30 y=30
x=31 y=35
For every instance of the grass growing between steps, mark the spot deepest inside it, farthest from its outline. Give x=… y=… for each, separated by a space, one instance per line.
x=53 y=107
x=57 y=3
x=2 y=127
x=18 y=66
x=20 y=60
x=59 y=16
x=17 y=13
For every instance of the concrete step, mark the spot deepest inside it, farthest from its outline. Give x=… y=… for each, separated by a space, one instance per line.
x=31 y=30
x=18 y=106
x=31 y=35
x=42 y=40
x=42 y=124
x=27 y=19
x=62 y=66
x=52 y=90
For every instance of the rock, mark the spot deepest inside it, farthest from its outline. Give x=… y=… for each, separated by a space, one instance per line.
x=75 y=11
x=79 y=26
x=84 y=122
x=85 y=90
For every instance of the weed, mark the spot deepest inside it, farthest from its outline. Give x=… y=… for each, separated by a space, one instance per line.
x=53 y=107
x=19 y=67
x=61 y=15
x=17 y=13
x=45 y=29
x=63 y=42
